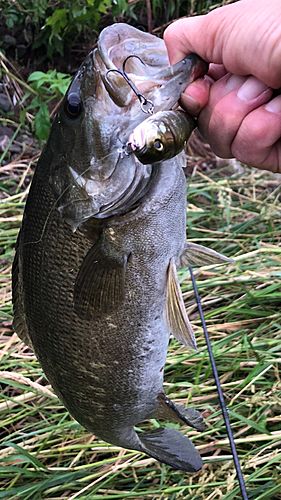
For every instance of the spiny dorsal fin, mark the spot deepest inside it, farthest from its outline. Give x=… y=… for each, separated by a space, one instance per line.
x=178 y=321
x=198 y=255
x=99 y=286
x=19 y=322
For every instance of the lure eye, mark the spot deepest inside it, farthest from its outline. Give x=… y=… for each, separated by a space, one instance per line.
x=158 y=145
x=73 y=105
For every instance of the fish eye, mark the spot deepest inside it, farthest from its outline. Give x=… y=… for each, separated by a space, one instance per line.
x=158 y=145
x=73 y=105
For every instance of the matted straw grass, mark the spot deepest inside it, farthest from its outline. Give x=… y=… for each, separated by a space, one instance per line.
x=45 y=454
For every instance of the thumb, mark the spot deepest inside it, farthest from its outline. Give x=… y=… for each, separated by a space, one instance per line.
x=185 y=36
x=242 y=36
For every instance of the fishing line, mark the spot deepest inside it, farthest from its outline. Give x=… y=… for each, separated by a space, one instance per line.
x=223 y=406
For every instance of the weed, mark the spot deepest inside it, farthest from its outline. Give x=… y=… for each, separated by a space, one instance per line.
x=49 y=88
x=46 y=454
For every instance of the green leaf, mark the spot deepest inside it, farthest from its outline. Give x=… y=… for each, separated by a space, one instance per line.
x=22 y=116
x=78 y=13
x=26 y=455
x=247 y=421
x=57 y=21
x=104 y=6
x=36 y=76
x=63 y=86
x=42 y=122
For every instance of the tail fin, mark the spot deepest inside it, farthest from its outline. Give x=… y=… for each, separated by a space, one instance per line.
x=171 y=447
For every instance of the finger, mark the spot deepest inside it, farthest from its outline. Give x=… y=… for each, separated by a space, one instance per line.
x=202 y=92
x=185 y=36
x=196 y=96
x=232 y=98
x=224 y=41
x=258 y=140
x=216 y=71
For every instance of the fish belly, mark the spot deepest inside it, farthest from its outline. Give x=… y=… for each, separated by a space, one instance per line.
x=107 y=371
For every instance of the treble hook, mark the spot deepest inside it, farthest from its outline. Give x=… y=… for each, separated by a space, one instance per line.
x=147 y=106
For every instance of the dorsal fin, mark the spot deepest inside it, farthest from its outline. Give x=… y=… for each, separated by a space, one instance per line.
x=19 y=322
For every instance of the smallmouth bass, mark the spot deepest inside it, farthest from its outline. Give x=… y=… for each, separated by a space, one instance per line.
x=95 y=289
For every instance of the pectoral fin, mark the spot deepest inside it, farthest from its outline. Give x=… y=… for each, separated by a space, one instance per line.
x=178 y=321
x=198 y=255
x=168 y=410
x=99 y=286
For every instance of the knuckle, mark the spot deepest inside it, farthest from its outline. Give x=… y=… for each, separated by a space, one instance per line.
x=244 y=154
x=247 y=145
x=220 y=132
x=272 y=70
x=254 y=131
x=169 y=33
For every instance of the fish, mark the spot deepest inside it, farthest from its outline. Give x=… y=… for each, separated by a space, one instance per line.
x=95 y=287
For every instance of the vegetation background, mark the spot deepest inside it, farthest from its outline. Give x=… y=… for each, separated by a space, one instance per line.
x=45 y=454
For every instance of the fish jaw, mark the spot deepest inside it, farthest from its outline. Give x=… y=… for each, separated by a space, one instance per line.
x=91 y=175
x=146 y=65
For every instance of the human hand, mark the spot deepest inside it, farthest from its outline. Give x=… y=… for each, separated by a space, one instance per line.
x=239 y=115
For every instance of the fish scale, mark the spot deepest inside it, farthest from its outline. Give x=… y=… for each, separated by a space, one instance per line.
x=59 y=341
x=94 y=279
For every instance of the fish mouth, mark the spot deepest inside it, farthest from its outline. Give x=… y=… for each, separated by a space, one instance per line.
x=105 y=180
x=144 y=60
x=118 y=41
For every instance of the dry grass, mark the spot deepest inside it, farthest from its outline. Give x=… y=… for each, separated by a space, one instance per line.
x=45 y=454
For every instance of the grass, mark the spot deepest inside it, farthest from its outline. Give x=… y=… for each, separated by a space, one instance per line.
x=46 y=454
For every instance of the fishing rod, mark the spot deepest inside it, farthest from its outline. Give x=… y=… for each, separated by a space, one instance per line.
x=223 y=406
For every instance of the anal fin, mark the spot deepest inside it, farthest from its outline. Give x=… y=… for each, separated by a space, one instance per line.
x=168 y=410
x=177 y=318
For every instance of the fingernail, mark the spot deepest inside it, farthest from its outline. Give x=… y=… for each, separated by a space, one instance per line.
x=190 y=104
x=274 y=106
x=251 y=89
x=234 y=82
x=208 y=80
